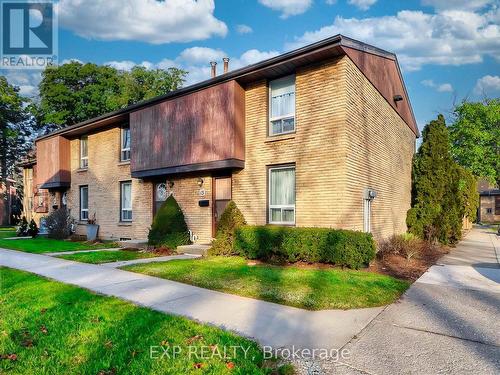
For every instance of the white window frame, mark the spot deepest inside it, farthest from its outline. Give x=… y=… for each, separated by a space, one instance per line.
x=84 y=212
x=283 y=117
x=124 y=150
x=125 y=209
x=281 y=206
x=84 y=160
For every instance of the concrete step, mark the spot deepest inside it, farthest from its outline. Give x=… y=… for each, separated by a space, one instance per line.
x=200 y=249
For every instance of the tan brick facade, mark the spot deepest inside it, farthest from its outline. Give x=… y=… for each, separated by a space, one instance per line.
x=103 y=177
x=487 y=209
x=381 y=148
x=347 y=139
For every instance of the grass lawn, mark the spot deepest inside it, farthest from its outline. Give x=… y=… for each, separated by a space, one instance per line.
x=52 y=328
x=314 y=289
x=7 y=232
x=44 y=244
x=98 y=257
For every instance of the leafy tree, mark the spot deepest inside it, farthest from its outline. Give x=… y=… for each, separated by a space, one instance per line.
x=142 y=84
x=443 y=191
x=431 y=179
x=16 y=132
x=475 y=138
x=75 y=92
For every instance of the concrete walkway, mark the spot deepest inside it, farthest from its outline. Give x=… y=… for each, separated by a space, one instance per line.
x=268 y=323
x=165 y=258
x=446 y=323
x=56 y=253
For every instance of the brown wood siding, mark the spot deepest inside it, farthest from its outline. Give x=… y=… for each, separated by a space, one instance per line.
x=383 y=73
x=201 y=127
x=53 y=161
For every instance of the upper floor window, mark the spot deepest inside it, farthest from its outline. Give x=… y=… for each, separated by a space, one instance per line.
x=282 y=105
x=126 y=201
x=125 y=144
x=282 y=195
x=84 y=152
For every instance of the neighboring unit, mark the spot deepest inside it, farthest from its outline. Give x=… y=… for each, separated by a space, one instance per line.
x=489 y=206
x=9 y=202
x=322 y=136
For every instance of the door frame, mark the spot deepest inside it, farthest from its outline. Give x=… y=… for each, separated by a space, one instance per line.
x=214 y=195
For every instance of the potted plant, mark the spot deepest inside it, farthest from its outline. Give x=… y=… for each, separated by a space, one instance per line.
x=92 y=229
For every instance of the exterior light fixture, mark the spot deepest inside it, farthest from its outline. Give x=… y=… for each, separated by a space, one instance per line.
x=200 y=182
x=170 y=184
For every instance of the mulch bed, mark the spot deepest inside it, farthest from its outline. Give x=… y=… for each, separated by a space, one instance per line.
x=410 y=270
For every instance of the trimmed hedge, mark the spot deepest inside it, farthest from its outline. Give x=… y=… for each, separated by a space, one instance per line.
x=169 y=228
x=291 y=244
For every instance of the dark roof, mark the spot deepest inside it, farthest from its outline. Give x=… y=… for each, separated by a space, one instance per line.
x=276 y=66
x=487 y=193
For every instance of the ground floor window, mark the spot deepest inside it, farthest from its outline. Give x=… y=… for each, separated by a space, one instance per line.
x=282 y=195
x=84 y=202
x=126 y=201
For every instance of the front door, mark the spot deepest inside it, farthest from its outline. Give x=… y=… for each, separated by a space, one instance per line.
x=222 y=196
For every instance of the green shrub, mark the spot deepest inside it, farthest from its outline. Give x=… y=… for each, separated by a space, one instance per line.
x=231 y=219
x=59 y=224
x=169 y=228
x=291 y=244
x=32 y=229
x=22 y=230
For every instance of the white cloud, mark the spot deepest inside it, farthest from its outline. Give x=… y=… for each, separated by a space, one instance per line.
x=362 y=4
x=331 y=2
x=149 y=21
x=450 y=37
x=26 y=80
x=287 y=7
x=487 y=85
x=196 y=60
x=458 y=4
x=440 y=87
x=197 y=55
x=243 y=29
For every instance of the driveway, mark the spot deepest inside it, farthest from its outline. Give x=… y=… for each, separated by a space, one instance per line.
x=447 y=322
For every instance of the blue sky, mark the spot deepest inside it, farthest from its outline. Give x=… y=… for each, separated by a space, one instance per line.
x=448 y=49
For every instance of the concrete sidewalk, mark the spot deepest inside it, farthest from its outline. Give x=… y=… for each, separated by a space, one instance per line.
x=268 y=323
x=56 y=253
x=446 y=323
x=165 y=258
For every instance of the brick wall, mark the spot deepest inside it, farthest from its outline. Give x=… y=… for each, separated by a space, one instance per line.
x=103 y=177
x=488 y=202
x=381 y=148
x=347 y=138
x=317 y=149
x=187 y=193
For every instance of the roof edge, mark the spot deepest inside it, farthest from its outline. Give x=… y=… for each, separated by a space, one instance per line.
x=332 y=41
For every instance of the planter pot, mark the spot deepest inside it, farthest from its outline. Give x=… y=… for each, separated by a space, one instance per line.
x=92 y=230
